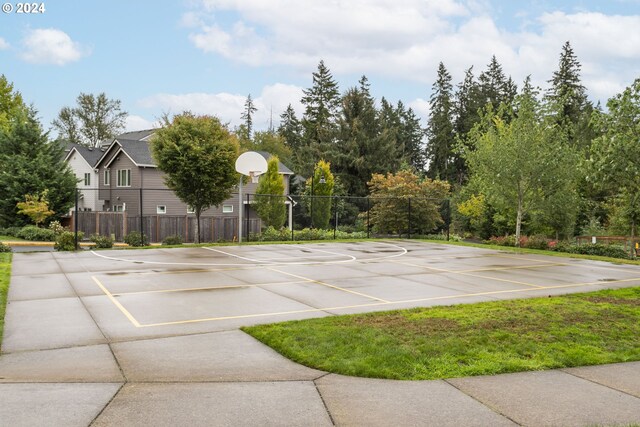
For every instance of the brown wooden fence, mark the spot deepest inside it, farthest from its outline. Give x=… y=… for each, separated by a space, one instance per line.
x=158 y=227
x=627 y=242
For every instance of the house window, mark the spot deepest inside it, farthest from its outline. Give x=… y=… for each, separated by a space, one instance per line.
x=124 y=178
x=118 y=208
x=161 y=209
x=227 y=208
x=190 y=210
x=87 y=179
x=107 y=177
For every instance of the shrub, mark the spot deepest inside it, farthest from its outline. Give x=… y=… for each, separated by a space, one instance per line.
x=33 y=233
x=4 y=248
x=10 y=231
x=598 y=249
x=172 y=240
x=452 y=237
x=102 y=242
x=66 y=241
x=136 y=239
x=270 y=234
x=312 y=234
x=56 y=227
x=537 y=242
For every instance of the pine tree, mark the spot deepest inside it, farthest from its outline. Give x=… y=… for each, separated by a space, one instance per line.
x=467 y=105
x=495 y=88
x=569 y=99
x=411 y=138
x=321 y=103
x=290 y=129
x=247 y=115
x=31 y=164
x=440 y=128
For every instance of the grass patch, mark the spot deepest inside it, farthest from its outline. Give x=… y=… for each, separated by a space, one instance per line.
x=466 y=340
x=10 y=239
x=5 y=274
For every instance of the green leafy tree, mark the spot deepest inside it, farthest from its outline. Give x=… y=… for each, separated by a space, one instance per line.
x=518 y=162
x=272 y=143
x=94 y=119
x=615 y=155
x=270 y=196
x=36 y=207
x=197 y=154
x=404 y=199
x=11 y=103
x=440 y=134
x=320 y=193
x=31 y=164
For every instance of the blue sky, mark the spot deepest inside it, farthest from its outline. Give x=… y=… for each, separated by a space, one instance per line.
x=207 y=55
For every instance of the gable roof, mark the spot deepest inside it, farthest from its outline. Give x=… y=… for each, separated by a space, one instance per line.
x=89 y=154
x=138 y=135
x=281 y=167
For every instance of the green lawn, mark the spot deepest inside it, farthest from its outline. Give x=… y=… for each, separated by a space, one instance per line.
x=5 y=274
x=466 y=340
x=10 y=239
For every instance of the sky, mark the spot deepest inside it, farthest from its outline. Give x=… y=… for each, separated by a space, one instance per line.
x=206 y=56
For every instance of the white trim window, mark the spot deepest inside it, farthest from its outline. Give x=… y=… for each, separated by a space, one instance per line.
x=124 y=178
x=107 y=177
x=190 y=210
x=161 y=209
x=227 y=208
x=118 y=208
x=87 y=179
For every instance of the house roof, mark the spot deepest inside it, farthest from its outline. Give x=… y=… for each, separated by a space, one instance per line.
x=89 y=154
x=138 y=151
x=281 y=167
x=138 y=135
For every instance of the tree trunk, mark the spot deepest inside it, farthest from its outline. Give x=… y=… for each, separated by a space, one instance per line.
x=518 y=221
x=197 y=226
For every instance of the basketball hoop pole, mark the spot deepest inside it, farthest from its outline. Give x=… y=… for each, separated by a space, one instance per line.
x=240 y=210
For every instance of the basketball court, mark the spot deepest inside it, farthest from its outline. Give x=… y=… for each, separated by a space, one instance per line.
x=133 y=293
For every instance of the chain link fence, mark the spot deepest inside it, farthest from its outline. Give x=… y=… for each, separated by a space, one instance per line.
x=157 y=214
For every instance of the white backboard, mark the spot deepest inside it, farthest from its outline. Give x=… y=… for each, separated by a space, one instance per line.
x=251 y=162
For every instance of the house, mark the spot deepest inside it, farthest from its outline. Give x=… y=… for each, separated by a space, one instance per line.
x=82 y=159
x=129 y=182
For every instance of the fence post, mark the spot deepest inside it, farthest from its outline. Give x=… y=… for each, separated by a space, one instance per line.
x=246 y=213
x=335 y=210
x=368 y=227
x=409 y=235
x=75 y=220
x=448 y=218
x=141 y=219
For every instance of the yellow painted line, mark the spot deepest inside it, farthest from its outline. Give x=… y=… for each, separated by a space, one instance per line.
x=441 y=270
x=327 y=285
x=159 y=291
x=581 y=263
x=382 y=303
x=117 y=303
x=515 y=267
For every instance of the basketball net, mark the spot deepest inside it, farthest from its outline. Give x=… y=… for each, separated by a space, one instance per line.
x=254 y=177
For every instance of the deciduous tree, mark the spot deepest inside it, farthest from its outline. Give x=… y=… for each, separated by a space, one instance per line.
x=197 y=154
x=270 y=196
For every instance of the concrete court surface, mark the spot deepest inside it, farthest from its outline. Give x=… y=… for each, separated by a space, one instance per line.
x=150 y=337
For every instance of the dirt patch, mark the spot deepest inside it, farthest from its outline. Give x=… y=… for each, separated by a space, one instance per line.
x=398 y=322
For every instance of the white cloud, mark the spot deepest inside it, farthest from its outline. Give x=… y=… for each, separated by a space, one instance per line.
x=421 y=108
x=4 y=44
x=407 y=38
x=51 y=46
x=227 y=106
x=134 y=122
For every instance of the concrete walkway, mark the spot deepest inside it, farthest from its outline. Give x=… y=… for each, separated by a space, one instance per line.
x=61 y=366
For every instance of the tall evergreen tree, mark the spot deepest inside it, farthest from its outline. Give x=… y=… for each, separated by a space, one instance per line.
x=290 y=129
x=466 y=108
x=411 y=138
x=569 y=98
x=362 y=148
x=247 y=115
x=319 y=122
x=31 y=164
x=440 y=135
x=495 y=87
